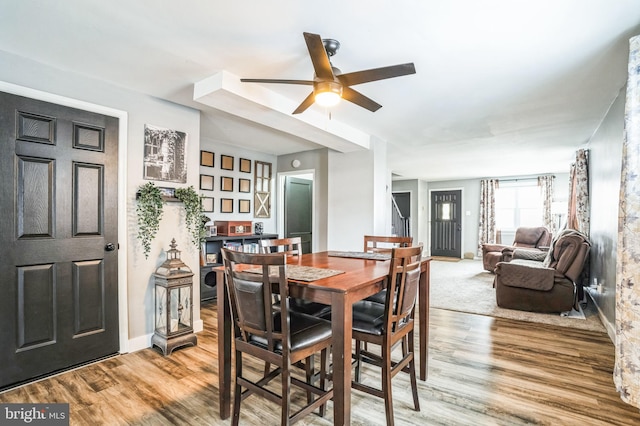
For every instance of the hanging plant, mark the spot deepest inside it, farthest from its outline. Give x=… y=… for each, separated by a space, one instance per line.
x=149 y=210
x=193 y=206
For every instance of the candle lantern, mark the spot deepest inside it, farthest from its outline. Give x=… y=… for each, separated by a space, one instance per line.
x=173 y=304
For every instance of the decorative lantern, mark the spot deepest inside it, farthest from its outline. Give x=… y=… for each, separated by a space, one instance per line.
x=174 y=309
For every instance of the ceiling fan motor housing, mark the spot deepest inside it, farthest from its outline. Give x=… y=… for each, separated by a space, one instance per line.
x=327 y=86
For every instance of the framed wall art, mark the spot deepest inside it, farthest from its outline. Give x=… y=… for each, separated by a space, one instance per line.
x=245 y=165
x=244 y=206
x=207 y=204
x=168 y=194
x=226 y=162
x=262 y=189
x=244 y=185
x=207 y=158
x=226 y=205
x=164 y=154
x=226 y=183
x=206 y=182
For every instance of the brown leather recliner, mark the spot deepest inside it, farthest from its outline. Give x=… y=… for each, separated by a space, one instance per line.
x=547 y=286
x=531 y=238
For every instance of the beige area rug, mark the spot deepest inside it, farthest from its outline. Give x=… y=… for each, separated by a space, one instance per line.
x=466 y=287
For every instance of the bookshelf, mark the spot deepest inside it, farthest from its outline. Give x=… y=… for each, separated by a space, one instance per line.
x=212 y=246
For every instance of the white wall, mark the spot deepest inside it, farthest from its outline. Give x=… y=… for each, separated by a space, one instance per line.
x=357 y=202
x=221 y=148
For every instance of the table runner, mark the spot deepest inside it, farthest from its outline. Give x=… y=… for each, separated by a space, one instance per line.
x=301 y=273
x=360 y=255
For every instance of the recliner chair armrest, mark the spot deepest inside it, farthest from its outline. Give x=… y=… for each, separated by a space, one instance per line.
x=486 y=248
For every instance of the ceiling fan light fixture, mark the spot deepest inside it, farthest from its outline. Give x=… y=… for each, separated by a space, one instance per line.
x=327 y=93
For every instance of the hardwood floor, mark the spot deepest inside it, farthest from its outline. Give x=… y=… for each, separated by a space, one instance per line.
x=482 y=371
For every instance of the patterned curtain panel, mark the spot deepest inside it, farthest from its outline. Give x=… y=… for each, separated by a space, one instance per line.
x=546 y=189
x=626 y=373
x=487 y=225
x=578 y=217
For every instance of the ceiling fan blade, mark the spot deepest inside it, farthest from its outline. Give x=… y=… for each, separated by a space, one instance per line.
x=359 y=99
x=266 y=80
x=308 y=101
x=319 y=57
x=358 y=77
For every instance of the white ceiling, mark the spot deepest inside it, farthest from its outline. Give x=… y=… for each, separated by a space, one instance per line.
x=502 y=88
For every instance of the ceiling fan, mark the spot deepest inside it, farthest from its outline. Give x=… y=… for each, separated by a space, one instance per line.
x=329 y=84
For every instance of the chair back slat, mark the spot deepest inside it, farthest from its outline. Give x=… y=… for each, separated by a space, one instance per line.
x=289 y=246
x=384 y=244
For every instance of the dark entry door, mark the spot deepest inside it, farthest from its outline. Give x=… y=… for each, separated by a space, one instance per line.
x=298 y=216
x=446 y=223
x=58 y=229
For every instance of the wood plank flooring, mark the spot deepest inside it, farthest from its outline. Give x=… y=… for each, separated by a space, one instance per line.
x=482 y=371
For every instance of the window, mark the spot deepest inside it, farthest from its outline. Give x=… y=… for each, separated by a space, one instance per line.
x=518 y=203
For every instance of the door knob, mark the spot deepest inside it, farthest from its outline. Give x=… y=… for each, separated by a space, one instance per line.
x=109 y=247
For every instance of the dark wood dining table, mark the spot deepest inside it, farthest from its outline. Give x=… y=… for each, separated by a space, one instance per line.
x=360 y=278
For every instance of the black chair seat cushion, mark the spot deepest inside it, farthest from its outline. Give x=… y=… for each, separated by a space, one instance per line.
x=368 y=317
x=379 y=297
x=305 y=330
x=310 y=308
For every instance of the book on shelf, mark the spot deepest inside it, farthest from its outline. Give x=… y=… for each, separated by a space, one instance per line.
x=251 y=248
x=233 y=246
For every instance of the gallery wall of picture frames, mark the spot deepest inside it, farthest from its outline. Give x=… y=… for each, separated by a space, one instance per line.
x=234 y=178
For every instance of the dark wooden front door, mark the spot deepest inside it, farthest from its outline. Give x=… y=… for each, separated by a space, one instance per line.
x=446 y=223
x=298 y=218
x=58 y=238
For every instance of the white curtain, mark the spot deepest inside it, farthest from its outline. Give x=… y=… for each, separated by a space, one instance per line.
x=627 y=367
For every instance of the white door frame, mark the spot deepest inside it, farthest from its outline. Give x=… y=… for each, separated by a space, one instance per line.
x=123 y=307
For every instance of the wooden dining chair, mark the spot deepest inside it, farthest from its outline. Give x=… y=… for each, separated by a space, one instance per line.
x=275 y=335
x=383 y=244
x=389 y=325
x=292 y=247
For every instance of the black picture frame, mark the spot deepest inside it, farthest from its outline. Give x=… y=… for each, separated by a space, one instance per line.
x=226 y=184
x=244 y=185
x=226 y=162
x=244 y=206
x=245 y=165
x=207 y=204
x=206 y=182
x=207 y=158
x=226 y=205
x=168 y=194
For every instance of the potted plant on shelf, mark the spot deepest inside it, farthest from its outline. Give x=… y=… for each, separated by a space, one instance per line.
x=194 y=214
x=149 y=210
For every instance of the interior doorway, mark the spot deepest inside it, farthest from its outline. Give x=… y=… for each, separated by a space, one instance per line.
x=401 y=214
x=295 y=201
